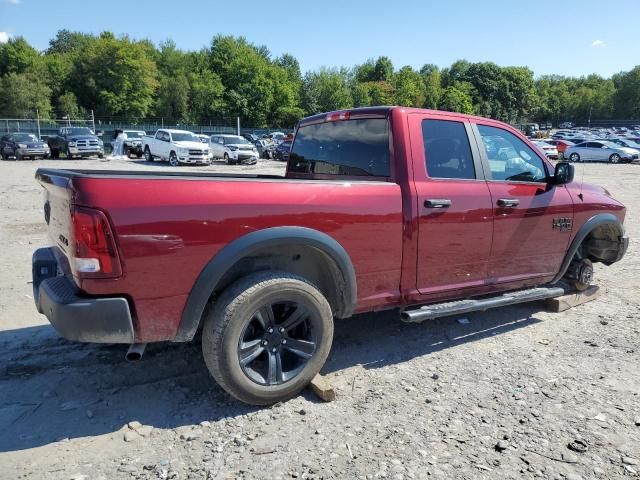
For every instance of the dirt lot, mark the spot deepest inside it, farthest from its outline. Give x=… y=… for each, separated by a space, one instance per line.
x=499 y=397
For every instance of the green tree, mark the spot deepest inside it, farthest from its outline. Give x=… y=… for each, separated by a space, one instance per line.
x=456 y=100
x=627 y=96
x=326 y=90
x=383 y=70
x=409 y=88
x=206 y=98
x=17 y=56
x=67 y=104
x=22 y=93
x=115 y=77
x=172 y=102
x=432 y=79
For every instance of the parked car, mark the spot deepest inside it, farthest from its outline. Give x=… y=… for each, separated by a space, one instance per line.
x=202 y=137
x=561 y=145
x=625 y=142
x=132 y=143
x=76 y=142
x=282 y=151
x=565 y=125
x=23 y=145
x=277 y=137
x=251 y=137
x=233 y=149
x=547 y=148
x=595 y=151
x=266 y=148
x=175 y=147
x=262 y=265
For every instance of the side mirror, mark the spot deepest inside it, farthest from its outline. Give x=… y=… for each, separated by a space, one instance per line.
x=564 y=173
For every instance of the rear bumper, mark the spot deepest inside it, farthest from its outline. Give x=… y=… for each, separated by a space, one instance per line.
x=77 y=318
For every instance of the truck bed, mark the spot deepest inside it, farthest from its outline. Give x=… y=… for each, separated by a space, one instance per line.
x=43 y=173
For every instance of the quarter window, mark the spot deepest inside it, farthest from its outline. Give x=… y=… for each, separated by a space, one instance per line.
x=511 y=159
x=446 y=150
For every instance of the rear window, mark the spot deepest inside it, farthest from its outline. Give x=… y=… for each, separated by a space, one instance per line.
x=347 y=147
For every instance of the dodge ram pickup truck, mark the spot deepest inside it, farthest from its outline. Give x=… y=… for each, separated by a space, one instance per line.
x=75 y=141
x=175 y=147
x=427 y=212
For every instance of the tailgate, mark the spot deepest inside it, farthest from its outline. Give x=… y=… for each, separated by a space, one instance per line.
x=58 y=196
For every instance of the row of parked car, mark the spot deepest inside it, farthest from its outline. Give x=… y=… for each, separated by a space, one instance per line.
x=184 y=147
x=614 y=145
x=70 y=141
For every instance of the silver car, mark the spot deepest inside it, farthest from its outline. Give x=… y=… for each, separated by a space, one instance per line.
x=233 y=149
x=601 y=151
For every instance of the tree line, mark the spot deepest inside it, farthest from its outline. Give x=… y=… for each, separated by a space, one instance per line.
x=119 y=77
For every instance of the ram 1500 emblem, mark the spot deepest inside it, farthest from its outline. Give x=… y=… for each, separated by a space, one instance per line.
x=561 y=224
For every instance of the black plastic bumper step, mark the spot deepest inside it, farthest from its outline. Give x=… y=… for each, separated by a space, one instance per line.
x=437 y=310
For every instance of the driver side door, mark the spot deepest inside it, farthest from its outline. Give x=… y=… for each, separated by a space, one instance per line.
x=526 y=244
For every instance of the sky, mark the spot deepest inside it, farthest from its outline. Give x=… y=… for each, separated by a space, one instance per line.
x=566 y=37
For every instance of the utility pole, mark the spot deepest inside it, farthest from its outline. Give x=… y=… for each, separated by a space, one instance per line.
x=38 y=120
x=93 y=122
x=589 y=123
x=238 y=126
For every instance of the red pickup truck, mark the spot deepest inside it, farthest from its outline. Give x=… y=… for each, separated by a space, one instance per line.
x=428 y=212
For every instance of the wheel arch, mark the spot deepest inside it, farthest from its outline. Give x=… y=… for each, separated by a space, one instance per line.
x=601 y=237
x=303 y=251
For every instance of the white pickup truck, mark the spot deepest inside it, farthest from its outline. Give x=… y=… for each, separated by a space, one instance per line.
x=175 y=147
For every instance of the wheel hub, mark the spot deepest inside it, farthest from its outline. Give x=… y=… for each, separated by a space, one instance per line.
x=585 y=274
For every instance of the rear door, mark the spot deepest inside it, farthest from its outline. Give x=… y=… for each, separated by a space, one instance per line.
x=528 y=211
x=454 y=204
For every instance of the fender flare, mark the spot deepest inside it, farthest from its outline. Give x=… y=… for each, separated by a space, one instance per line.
x=244 y=246
x=585 y=229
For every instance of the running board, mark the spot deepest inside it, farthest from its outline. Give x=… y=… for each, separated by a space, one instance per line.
x=437 y=310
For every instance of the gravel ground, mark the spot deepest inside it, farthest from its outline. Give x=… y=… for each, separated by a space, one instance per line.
x=514 y=393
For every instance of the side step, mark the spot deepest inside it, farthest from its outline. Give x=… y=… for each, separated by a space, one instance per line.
x=437 y=310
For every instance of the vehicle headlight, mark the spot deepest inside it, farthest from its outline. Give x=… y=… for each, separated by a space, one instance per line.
x=46 y=147
x=255 y=150
x=22 y=145
x=72 y=144
x=233 y=149
x=100 y=142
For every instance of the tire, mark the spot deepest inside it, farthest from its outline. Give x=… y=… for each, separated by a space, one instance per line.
x=614 y=158
x=147 y=155
x=173 y=159
x=227 y=159
x=235 y=319
x=101 y=155
x=574 y=157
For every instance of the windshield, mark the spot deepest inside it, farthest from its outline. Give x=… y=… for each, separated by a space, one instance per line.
x=79 y=131
x=130 y=134
x=235 y=141
x=183 y=137
x=24 y=137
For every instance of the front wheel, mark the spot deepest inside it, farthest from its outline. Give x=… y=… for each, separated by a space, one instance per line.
x=227 y=159
x=574 y=157
x=147 y=155
x=267 y=336
x=614 y=158
x=173 y=159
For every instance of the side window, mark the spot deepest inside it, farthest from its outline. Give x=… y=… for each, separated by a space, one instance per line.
x=510 y=158
x=594 y=145
x=446 y=150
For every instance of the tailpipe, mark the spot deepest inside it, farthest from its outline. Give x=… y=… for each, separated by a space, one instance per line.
x=135 y=352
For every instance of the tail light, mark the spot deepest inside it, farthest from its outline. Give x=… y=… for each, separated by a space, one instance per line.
x=94 y=252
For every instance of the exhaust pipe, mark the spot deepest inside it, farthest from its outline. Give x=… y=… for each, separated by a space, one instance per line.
x=135 y=352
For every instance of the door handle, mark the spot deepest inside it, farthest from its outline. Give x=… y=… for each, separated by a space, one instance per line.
x=437 y=203
x=508 y=202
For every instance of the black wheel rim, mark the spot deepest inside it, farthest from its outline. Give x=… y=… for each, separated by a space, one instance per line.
x=277 y=342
